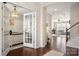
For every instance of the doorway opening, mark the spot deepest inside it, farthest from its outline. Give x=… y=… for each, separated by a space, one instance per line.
x=58 y=20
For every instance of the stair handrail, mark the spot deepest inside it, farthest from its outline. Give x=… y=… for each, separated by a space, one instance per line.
x=69 y=29
x=73 y=25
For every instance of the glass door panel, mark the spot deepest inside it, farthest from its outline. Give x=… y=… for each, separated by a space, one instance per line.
x=28 y=18
x=28 y=36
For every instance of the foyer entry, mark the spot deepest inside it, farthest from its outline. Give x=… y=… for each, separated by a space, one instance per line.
x=18 y=26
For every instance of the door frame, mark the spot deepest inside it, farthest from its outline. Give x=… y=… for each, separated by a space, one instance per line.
x=33 y=23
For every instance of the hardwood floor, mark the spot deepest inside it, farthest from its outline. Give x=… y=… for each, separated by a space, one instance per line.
x=24 y=51
x=58 y=44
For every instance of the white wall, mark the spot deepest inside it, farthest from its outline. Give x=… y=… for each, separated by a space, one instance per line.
x=0 y=32
x=18 y=27
x=74 y=17
x=5 y=33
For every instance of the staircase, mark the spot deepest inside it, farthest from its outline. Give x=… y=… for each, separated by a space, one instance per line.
x=72 y=43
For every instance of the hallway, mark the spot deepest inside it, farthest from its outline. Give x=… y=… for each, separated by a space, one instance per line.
x=40 y=28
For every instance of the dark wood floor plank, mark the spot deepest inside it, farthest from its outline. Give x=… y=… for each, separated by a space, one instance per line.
x=24 y=51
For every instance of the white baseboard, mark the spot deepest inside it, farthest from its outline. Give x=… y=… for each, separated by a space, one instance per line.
x=6 y=51
x=36 y=47
x=11 y=48
x=43 y=45
x=15 y=47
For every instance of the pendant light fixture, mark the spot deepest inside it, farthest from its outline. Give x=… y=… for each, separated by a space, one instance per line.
x=14 y=12
x=13 y=17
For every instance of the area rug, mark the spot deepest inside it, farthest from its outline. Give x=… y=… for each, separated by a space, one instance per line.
x=54 y=53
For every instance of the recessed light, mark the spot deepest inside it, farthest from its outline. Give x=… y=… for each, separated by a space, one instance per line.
x=55 y=9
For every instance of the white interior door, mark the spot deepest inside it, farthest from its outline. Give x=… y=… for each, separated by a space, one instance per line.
x=29 y=30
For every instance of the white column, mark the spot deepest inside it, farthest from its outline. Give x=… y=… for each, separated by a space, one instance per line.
x=43 y=30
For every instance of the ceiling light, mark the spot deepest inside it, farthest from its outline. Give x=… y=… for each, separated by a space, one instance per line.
x=14 y=12
x=55 y=9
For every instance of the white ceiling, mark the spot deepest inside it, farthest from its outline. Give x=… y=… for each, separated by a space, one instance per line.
x=19 y=9
x=53 y=8
x=59 y=9
x=46 y=3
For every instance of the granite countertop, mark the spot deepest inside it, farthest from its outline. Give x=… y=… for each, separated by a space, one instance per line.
x=73 y=43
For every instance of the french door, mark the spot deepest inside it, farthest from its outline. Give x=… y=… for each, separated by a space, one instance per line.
x=29 y=30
